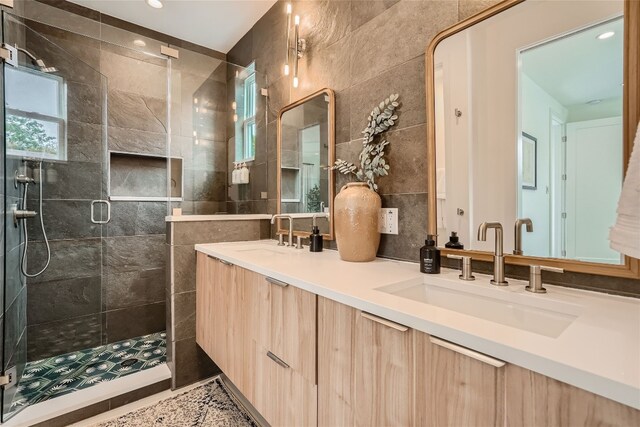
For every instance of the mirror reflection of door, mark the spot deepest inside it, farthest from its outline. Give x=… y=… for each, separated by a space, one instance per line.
x=571 y=103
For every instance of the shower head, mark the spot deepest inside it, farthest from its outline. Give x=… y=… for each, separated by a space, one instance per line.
x=37 y=62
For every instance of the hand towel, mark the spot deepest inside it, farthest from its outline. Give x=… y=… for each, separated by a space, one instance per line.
x=624 y=236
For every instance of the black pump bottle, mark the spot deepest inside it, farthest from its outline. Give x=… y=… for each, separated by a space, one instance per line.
x=315 y=240
x=430 y=256
x=454 y=242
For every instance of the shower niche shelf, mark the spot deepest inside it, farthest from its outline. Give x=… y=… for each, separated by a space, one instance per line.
x=143 y=177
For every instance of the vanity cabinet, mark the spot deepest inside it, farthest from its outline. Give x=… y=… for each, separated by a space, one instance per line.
x=456 y=386
x=537 y=400
x=281 y=339
x=304 y=360
x=218 y=312
x=365 y=368
x=262 y=334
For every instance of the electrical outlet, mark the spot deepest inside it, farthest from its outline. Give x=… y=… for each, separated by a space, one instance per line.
x=263 y=195
x=388 y=223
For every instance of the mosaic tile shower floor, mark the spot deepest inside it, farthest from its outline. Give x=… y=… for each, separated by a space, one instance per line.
x=55 y=376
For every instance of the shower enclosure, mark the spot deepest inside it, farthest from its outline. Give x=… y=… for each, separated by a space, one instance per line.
x=105 y=136
x=63 y=328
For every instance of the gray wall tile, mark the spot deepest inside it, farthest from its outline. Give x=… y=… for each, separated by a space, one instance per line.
x=135 y=321
x=133 y=288
x=63 y=299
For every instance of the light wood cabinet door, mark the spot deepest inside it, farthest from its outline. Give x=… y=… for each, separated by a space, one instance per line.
x=538 y=401
x=220 y=314
x=280 y=336
x=282 y=319
x=204 y=303
x=365 y=369
x=456 y=386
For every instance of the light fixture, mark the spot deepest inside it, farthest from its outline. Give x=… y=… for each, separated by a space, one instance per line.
x=286 y=64
x=235 y=118
x=606 y=35
x=234 y=105
x=156 y=4
x=295 y=49
x=139 y=43
x=195 y=100
x=594 y=102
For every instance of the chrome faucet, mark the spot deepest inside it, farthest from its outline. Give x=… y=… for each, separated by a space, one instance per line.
x=498 y=257
x=273 y=220
x=517 y=248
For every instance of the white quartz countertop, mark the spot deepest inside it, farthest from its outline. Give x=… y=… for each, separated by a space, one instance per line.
x=599 y=351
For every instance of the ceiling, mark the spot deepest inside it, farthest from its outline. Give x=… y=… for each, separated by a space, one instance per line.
x=579 y=68
x=216 y=24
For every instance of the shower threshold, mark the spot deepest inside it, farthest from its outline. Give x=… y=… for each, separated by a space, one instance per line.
x=49 y=381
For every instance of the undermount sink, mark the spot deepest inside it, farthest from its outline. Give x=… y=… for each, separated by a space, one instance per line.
x=542 y=316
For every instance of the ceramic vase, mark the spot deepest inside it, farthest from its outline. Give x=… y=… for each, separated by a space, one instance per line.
x=356 y=213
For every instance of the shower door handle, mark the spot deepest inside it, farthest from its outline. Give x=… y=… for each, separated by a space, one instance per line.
x=105 y=202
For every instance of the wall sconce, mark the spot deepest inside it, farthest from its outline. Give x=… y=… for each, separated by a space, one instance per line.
x=295 y=49
x=235 y=115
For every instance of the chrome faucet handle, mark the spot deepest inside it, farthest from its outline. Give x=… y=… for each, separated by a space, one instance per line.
x=535 y=278
x=280 y=239
x=299 y=242
x=467 y=272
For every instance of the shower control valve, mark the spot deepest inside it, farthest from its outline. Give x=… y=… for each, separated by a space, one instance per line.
x=19 y=214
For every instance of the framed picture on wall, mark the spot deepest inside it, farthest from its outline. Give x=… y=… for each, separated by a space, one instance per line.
x=529 y=166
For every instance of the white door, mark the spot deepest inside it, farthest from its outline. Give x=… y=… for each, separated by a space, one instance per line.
x=594 y=181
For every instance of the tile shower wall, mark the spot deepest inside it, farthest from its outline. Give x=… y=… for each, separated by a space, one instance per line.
x=114 y=289
x=366 y=50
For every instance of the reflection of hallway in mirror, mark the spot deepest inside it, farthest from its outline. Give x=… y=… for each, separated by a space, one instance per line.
x=571 y=114
x=594 y=182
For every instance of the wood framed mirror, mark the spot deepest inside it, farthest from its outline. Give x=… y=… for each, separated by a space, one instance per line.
x=306 y=147
x=489 y=159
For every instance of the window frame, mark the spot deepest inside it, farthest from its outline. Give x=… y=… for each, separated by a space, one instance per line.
x=248 y=122
x=60 y=121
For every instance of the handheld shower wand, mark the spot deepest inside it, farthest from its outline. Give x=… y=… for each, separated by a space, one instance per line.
x=25 y=213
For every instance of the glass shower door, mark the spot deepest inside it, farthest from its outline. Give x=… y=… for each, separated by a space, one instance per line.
x=54 y=149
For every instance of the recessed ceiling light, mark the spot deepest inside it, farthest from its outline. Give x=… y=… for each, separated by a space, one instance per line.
x=594 y=102
x=606 y=35
x=156 y=4
x=139 y=43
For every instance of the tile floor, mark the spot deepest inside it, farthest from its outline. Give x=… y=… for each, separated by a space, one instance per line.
x=55 y=376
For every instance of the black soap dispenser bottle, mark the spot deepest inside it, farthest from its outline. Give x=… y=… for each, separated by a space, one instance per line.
x=430 y=256
x=454 y=242
x=315 y=240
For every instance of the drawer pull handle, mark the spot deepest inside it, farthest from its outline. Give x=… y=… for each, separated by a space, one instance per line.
x=277 y=282
x=384 y=322
x=225 y=262
x=212 y=257
x=277 y=360
x=467 y=352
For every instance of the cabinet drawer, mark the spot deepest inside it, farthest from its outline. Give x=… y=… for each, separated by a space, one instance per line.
x=281 y=395
x=282 y=320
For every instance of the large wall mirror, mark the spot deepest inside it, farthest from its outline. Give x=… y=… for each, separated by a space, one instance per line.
x=306 y=147
x=531 y=123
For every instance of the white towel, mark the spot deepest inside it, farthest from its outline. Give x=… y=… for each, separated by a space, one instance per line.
x=625 y=234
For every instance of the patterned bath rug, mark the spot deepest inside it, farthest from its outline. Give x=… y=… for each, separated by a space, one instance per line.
x=209 y=405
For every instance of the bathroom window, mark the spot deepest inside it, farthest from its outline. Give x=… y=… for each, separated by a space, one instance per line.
x=246 y=125
x=35 y=114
